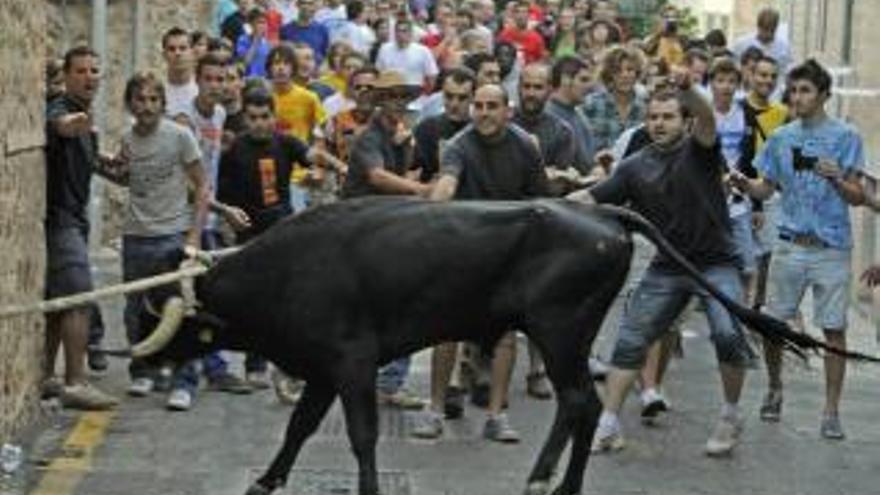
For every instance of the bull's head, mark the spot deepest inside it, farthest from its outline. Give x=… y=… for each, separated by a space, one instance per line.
x=178 y=334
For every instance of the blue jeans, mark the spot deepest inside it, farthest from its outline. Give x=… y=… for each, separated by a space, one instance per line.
x=213 y=365
x=658 y=300
x=145 y=257
x=393 y=375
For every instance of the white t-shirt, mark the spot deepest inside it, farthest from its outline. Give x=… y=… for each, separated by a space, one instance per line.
x=360 y=37
x=415 y=62
x=209 y=133
x=779 y=49
x=731 y=129
x=336 y=103
x=157 y=184
x=179 y=96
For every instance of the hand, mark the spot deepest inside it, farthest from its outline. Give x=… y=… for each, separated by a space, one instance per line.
x=424 y=190
x=76 y=124
x=605 y=159
x=758 y=220
x=829 y=169
x=738 y=180
x=402 y=134
x=680 y=78
x=871 y=276
x=237 y=218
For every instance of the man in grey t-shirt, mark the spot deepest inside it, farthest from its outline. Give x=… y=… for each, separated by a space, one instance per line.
x=162 y=159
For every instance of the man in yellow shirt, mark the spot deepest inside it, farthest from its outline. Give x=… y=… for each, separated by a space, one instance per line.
x=298 y=112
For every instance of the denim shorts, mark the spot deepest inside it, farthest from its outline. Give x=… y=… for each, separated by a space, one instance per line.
x=827 y=271
x=660 y=298
x=67 y=256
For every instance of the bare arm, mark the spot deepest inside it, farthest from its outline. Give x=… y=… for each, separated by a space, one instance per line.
x=760 y=188
x=704 y=117
x=73 y=124
x=199 y=182
x=390 y=183
x=324 y=159
x=445 y=188
x=582 y=196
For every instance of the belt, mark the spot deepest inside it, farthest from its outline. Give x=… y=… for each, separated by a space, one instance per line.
x=806 y=240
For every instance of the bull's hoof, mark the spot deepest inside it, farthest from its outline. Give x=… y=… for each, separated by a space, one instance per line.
x=258 y=489
x=537 y=487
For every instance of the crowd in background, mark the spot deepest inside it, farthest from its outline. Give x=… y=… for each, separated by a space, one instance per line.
x=286 y=105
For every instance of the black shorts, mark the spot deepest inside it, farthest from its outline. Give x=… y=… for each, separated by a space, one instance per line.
x=67 y=270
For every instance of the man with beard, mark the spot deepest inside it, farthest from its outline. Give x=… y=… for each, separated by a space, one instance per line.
x=556 y=142
x=491 y=160
x=354 y=113
x=163 y=159
x=555 y=138
x=663 y=182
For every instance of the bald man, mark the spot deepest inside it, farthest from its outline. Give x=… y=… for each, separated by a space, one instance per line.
x=489 y=159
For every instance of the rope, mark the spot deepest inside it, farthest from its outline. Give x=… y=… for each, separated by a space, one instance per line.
x=193 y=267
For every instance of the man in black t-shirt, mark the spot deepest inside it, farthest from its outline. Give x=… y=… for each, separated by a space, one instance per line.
x=382 y=154
x=676 y=183
x=490 y=159
x=555 y=137
x=432 y=133
x=380 y=158
x=71 y=157
x=254 y=177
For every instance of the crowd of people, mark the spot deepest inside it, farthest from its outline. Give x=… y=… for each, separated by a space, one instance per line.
x=293 y=104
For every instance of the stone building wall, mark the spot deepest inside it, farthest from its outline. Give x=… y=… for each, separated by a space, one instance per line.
x=22 y=178
x=818 y=30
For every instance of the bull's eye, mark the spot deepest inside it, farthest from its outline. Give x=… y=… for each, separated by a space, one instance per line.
x=206 y=336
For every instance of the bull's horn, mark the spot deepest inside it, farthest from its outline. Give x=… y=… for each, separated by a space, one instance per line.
x=172 y=315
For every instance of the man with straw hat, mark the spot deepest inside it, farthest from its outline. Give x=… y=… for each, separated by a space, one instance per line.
x=380 y=158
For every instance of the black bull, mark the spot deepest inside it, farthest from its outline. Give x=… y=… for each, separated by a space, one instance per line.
x=332 y=294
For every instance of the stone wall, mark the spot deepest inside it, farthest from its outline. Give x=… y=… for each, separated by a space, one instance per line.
x=22 y=193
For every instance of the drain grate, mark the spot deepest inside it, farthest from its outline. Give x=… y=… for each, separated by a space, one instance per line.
x=340 y=482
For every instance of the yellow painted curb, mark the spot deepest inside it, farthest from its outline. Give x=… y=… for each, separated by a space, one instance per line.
x=64 y=473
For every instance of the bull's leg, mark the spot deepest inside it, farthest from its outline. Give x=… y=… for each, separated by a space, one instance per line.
x=358 y=394
x=585 y=406
x=569 y=381
x=539 y=478
x=316 y=400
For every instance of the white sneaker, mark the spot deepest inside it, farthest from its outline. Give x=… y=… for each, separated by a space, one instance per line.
x=179 y=400
x=724 y=438
x=607 y=439
x=141 y=387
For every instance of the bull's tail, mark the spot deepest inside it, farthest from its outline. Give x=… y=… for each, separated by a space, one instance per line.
x=774 y=330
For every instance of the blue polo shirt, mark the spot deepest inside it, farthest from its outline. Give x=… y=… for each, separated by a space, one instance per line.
x=810 y=204
x=315 y=35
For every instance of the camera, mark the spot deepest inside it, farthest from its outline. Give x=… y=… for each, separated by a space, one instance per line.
x=801 y=162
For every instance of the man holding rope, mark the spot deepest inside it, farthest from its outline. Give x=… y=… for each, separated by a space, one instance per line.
x=163 y=161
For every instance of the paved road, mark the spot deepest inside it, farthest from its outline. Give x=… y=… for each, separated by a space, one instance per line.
x=225 y=441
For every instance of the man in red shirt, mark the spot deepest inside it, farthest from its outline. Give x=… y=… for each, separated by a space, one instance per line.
x=528 y=41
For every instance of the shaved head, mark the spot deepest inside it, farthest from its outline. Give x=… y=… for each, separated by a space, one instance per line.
x=491 y=91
